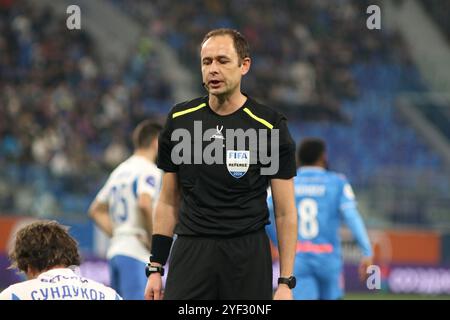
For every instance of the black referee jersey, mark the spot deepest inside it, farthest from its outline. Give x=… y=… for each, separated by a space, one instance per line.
x=215 y=201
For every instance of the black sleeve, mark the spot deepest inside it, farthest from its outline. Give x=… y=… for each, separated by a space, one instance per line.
x=287 y=166
x=165 y=145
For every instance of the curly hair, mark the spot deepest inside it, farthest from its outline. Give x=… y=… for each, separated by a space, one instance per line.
x=42 y=245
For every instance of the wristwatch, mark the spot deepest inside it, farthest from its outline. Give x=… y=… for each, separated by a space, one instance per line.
x=149 y=269
x=291 y=281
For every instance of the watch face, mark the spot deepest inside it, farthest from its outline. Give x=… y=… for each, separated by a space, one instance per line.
x=150 y=269
x=293 y=282
x=290 y=282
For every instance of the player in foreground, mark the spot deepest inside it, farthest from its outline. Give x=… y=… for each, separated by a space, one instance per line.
x=323 y=199
x=46 y=253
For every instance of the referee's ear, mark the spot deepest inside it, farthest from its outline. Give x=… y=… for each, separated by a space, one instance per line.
x=245 y=65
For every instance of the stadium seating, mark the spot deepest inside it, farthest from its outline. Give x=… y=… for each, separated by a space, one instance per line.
x=60 y=111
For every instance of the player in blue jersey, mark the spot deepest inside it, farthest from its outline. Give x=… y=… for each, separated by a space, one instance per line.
x=323 y=200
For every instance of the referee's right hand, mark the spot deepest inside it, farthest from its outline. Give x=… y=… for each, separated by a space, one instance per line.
x=153 y=290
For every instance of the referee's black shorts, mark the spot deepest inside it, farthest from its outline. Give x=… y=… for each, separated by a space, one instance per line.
x=220 y=268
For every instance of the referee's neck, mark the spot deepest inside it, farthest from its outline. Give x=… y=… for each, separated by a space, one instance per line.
x=224 y=105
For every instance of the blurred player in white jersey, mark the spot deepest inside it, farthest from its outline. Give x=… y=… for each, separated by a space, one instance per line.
x=46 y=253
x=123 y=210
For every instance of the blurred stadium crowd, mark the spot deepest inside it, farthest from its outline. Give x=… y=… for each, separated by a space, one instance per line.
x=303 y=50
x=65 y=121
x=439 y=10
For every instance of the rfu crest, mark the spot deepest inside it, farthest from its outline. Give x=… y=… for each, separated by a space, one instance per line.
x=238 y=163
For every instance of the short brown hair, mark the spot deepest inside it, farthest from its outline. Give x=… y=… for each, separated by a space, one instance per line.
x=42 y=245
x=144 y=133
x=240 y=42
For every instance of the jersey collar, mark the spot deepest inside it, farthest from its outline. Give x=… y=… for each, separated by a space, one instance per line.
x=311 y=169
x=57 y=271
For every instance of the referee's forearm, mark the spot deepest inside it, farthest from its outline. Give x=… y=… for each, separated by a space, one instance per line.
x=287 y=239
x=166 y=217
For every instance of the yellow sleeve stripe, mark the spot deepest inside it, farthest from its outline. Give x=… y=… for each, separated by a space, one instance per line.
x=264 y=122
x=181 y=113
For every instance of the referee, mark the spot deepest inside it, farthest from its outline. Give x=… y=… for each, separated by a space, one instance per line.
x=219 y=210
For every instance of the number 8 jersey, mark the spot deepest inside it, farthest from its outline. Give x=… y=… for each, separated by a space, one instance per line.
x=324 y=199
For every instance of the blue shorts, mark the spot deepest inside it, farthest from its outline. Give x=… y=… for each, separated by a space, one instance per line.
x=128 y=277
x=318 y=281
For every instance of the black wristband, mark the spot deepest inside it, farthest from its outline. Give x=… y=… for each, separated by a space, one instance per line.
x=160 y=248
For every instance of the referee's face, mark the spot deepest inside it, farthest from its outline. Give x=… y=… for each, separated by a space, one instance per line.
x=221 y=71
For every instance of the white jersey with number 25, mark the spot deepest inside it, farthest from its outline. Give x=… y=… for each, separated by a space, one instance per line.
x=135 y=176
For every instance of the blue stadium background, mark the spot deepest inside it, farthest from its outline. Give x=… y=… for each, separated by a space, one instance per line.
x=70 y=98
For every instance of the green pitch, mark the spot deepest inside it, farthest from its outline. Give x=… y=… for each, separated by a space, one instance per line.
x=391 y=296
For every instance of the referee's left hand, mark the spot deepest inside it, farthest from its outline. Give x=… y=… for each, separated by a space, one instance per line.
x=153 y=290
x=283 y=293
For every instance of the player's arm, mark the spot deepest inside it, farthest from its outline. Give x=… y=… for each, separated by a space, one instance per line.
x=356 y=226
x=99 y=212
x=286 y=225
x=166 y=217
x=355 y=223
